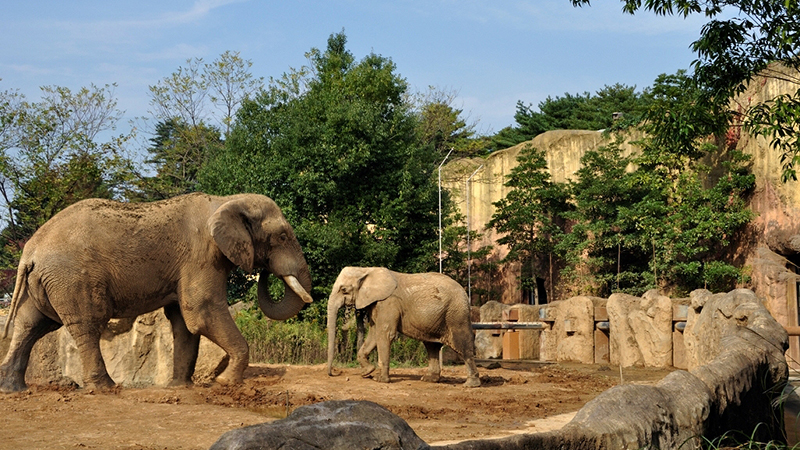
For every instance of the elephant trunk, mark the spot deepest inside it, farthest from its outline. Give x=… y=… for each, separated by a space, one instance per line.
x=333 y=311
x=295 y=297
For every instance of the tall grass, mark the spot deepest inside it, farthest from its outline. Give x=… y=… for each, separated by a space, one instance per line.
x=279 y=342
x=298 y=342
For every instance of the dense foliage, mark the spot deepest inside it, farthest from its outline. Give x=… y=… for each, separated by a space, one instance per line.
x=336 y=146
x=614 y=106
x=743 y=39
x=629 y=223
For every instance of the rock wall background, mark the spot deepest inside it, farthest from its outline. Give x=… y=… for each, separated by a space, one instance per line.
x=769 y=250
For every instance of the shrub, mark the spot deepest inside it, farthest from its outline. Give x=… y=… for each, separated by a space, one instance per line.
x=300 y=342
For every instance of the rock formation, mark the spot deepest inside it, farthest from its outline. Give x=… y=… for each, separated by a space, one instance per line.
x=332 y=425
x=137 y=352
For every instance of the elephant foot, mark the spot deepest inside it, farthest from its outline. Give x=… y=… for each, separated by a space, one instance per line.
x=9 y=386
x=229 y=380
x=472 y=382
x=381 y=378
x=431 y=378
x=180 y=383
x=101 y=383
x=367 y=371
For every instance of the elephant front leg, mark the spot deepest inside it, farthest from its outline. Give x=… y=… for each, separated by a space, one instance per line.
x=363 y=354
x=384 y=343
x=219 y=327
x=30 y=325
x=87 y=338
x=185 y=347
x=434 y=369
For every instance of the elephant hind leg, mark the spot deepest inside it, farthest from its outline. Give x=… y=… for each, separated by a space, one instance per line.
x=185 y=347
x=87 y=338
x=30 y=326
x=473 y=379
x=434 y=368
x=466 y=350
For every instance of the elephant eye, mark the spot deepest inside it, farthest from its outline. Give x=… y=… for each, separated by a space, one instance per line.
x=284 y=237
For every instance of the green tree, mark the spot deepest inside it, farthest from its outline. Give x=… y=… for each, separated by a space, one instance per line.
x=600 y=259
x=576 y=112
x=742 y=39
x=336 y=145
x=660 y=219
x=177 y=152
x=230 y=82
x=685 y=224
x=184 y=138
x=529 y=217
x=50 y=157
x=444 y=126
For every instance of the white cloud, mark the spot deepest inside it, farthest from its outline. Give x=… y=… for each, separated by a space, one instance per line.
x=126 y=31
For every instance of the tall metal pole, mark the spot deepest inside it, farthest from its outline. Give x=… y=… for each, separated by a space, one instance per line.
x=440 y=209
x=469 y=248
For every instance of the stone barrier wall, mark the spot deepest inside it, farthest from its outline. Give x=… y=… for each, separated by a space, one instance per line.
x=741 y=372
x=623 y=330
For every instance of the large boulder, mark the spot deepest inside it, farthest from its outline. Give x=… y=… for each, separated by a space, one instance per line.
x=641 y=330
x=331 y=425
x=489 y=343
x=137 y=352
x=571 y=337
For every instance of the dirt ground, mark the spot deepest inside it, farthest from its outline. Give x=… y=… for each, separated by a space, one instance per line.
x=512 y=399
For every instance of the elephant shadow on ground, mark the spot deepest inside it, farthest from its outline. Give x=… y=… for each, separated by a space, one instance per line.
x=267 y=372
x=486 y=380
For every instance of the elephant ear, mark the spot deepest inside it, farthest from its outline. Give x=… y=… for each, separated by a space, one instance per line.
x=228 y=228
x=377 y=285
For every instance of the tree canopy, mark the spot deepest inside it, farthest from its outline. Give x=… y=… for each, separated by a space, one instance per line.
x=613 y=106
x=336 y=145
x=742 y=39
x=50 y=157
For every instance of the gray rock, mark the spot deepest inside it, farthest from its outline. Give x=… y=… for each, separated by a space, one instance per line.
x=332 y=425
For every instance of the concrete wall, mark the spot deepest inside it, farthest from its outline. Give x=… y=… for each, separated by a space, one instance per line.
x=563 y=149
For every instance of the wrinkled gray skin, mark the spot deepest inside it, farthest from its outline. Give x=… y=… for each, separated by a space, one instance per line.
x=430 y=307
x=100 y=259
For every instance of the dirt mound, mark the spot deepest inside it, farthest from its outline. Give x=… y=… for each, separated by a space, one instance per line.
x=62 y=417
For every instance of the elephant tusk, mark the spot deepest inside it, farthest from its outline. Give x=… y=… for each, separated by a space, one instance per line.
x=298 y=289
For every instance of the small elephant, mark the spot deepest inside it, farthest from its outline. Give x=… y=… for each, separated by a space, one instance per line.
x=430 y=307
x=100 y=259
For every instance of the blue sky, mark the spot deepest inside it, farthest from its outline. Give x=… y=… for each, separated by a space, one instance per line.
x=491 y=53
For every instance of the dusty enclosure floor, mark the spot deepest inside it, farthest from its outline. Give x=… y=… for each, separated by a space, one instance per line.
x=50 y=417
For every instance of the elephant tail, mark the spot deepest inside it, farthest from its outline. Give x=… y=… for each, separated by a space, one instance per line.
x=19 y=289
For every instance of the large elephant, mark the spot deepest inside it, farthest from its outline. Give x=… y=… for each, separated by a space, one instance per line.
x=100 y=259
x=430 y=307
